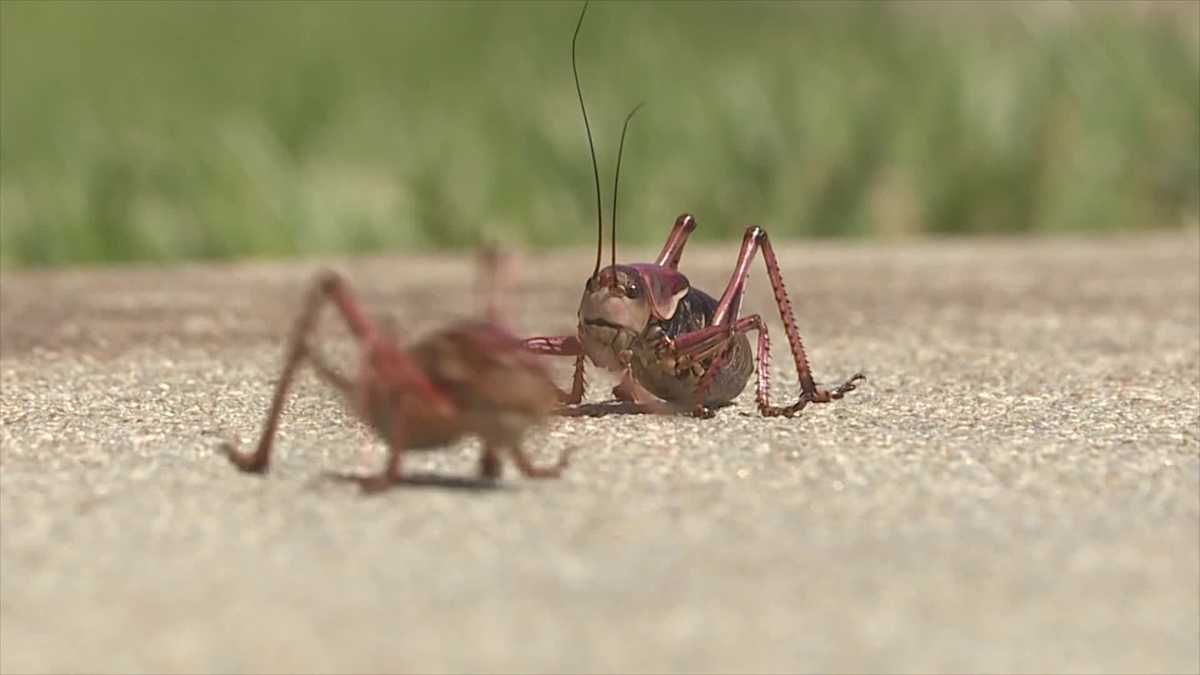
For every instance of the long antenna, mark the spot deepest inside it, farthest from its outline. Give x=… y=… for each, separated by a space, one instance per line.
x=617 y=179
x=591 y=146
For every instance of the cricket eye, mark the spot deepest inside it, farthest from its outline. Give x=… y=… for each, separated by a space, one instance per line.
x=633 y=291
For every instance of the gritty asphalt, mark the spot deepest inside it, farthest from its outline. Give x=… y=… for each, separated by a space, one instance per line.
x=1016 y=487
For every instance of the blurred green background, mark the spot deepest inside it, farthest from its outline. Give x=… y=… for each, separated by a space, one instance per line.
x=167 y=131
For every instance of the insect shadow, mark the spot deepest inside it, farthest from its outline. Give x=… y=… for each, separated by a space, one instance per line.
x=371 y=485
x=606 y=409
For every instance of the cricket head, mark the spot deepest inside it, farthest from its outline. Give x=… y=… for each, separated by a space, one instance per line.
x=618 y=305
x=628 y=297
x=614 y=301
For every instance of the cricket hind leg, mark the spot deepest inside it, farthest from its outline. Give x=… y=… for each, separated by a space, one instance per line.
x=328 y=374
x=725 y=323
x=672 y=250
x=327 y=286
x=715 y=342
x=755 y=323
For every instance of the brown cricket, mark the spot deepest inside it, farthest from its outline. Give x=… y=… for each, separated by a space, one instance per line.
x=677 y=348
x=470 y=378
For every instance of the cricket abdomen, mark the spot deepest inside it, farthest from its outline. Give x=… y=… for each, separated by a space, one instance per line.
x=497 y=389
x=676 y=382
x=667 y=383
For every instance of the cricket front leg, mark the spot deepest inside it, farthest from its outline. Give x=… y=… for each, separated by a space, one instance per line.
x=490 y=467
x=389 y=421
x=391 y=475
x=629 y=390
x=531 y=470
x=563 y=345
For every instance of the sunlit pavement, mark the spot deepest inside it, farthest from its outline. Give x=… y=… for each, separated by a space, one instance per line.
x=1015 y=488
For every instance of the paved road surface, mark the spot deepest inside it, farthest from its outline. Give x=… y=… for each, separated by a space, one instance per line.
x=1015 y=489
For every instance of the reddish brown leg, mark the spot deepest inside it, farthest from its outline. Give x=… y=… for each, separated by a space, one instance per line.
x=629 y=390
x=578 y=384
x=530 y=470
x=626 y=389
x=563 y=345
x=490 y=467
x=672 y=250
x=713 y=341
x=392 y=473
x=702 y=346
x=494 y=282
x=327 y=373
x=328 y=286
x=558 y=345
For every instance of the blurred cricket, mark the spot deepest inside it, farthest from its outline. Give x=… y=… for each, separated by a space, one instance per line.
x=677 y=348
x=470 y=378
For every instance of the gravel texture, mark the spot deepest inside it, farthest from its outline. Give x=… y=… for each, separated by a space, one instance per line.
x=1016 y=488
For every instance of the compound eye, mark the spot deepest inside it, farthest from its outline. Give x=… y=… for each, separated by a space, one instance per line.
x=589 y=284
x=633 y=290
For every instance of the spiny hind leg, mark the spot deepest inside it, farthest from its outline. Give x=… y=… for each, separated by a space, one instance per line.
x=761 y=394
x=672 y=250
x=754 y=241
x=711 y=344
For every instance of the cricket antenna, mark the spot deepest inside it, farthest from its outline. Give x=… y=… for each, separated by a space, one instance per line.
x=493 y=270
x=591 y=146
x=617 y=179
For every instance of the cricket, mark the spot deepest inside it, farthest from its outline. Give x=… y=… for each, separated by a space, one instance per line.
x=676 y=348
x=470 y=378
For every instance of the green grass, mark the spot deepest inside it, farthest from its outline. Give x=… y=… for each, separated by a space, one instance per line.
x=164 y=131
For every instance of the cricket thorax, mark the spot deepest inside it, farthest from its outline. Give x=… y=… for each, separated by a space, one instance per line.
x=694 y=311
